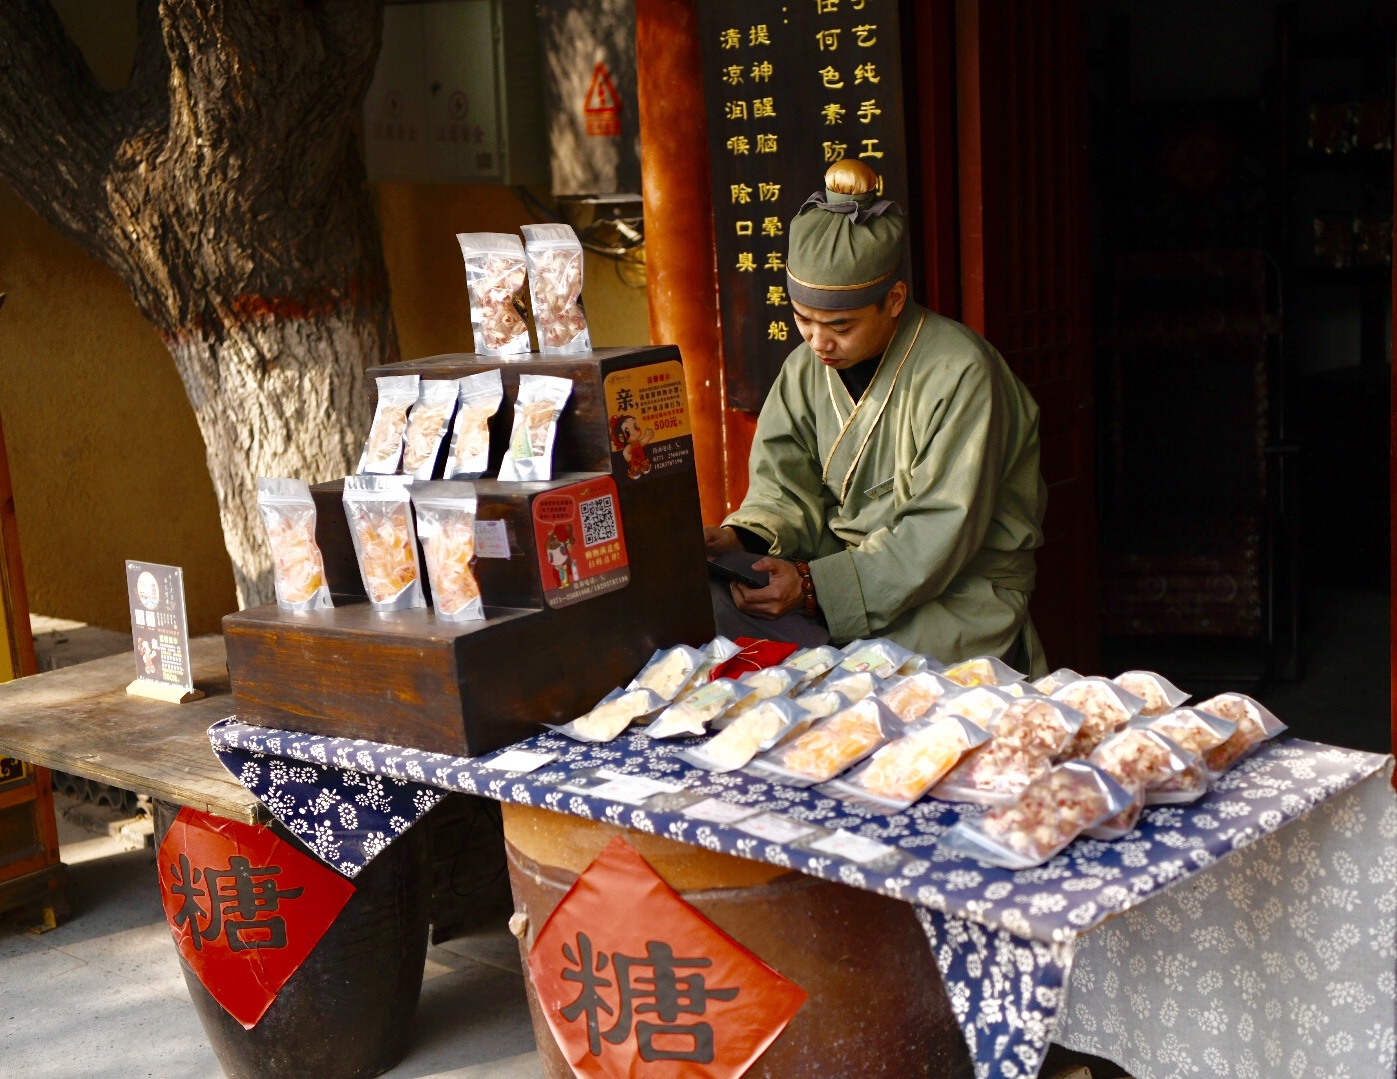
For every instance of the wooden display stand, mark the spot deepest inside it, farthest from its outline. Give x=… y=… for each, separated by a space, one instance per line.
x=540 y=655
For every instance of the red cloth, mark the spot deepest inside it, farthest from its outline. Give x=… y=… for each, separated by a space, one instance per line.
x=755 y=655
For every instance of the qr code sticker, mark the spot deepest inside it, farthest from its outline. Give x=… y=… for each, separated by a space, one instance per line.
x=598 y=521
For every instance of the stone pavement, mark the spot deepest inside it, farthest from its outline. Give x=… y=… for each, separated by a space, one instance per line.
x=103 y=997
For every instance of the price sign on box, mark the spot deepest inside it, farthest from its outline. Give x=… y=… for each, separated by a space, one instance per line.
x=160 y=633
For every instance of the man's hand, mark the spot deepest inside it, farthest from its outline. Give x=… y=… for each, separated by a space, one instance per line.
x=781 y=595
x=720 y=540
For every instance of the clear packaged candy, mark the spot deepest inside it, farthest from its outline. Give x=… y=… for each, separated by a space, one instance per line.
x=668 y=671
x=913 y=697
x=982 y=671
x=478 y=399
x=446 y=527
x=298 y=568
x=764 y=683
x=838 y=693
x=385 y=542
x=384 y=447
x=1255 y=725
x=539 y=404
x=692 y=713
x=612 y=715
x=554 y=255
x=1051 y=683
x=1194 y=730
x=981 y=705
x=1105 y=708
x=880 y=657
x=1159 y=694
x=1025 y=738
x=1140 y=760
x=758 y=728
x=814 y=662
x=900 y=772
x=496 y=280
x=1048 y=815
x=831 y=745
x=426 y=426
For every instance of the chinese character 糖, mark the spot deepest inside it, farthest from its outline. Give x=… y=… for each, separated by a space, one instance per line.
x=236 y=912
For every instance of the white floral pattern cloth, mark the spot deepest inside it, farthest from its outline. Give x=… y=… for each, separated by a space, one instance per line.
x=1004 y=941
x=1279 y=962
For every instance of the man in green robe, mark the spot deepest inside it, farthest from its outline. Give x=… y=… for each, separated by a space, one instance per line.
x=894 y=483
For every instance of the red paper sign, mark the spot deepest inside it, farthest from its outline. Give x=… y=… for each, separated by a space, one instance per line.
x=581 y=545
x=602 y=106
x=637 y=984
x=245 y=907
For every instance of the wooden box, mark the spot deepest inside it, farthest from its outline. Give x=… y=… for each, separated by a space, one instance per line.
x=546 y=652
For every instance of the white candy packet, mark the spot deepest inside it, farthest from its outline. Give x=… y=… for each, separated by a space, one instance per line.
x=765 y=683
x=537 y=407
x=426 y=426
x=669 y=670
x=692 y=713
x=757 y=729
x=379 y=511
x=554 y=256
x=612 y=715
x=446 y=526
x=982 y=671
x=298 y=568
x=496 y=280
x=478 y=399
x=881 y=657
x=384 y=447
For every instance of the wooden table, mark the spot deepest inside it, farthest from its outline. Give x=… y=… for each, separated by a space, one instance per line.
x=81 y=720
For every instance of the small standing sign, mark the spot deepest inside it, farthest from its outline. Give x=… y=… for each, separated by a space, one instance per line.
x=160 y=632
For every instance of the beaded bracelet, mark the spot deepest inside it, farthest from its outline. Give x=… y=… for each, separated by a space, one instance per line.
x=807 y=590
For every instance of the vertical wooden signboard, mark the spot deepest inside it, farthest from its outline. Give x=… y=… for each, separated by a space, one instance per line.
x=790 y=86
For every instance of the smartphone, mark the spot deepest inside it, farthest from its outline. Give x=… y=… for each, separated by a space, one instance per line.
x=737 y=566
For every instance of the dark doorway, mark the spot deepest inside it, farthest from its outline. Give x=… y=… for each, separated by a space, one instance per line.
x=1241 y=168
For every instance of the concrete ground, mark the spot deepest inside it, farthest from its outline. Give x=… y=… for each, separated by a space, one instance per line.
x=103 y=996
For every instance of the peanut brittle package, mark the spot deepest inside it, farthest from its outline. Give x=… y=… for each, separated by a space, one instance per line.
x=669 y=670
x=1051 y=683
x=1025 y=737
x=554 y=255
x=298 y=569
x=1052 y=811
x=831 y=745
x=758 y=728
x=1105 y=708
x=446 y=526
x=900 y=772
x=915 y=695
x=1140 y=760
x=982 y=671
x=1255 y=724
x=612 y=715
x=379 y=512
x=1192 y=728
x=1159 y=694
x=540 y=402
x=384 y=448
x=426 y=426
x=478 y=399
x=496 y=280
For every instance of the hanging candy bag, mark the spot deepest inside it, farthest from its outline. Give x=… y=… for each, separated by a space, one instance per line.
x=554 y=255
x=426 y=426
x=478 y=399
x=496 y=282
x=298 y=569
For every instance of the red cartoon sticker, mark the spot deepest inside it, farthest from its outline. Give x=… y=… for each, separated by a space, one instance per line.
x=637 y=984
x=245 y=907
x=581 y=545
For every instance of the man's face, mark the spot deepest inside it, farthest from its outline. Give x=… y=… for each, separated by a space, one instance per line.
x=841 y=339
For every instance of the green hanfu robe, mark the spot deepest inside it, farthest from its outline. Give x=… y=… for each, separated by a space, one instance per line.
x=918 y=508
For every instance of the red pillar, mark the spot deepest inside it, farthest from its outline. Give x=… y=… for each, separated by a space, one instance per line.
x=679 y=244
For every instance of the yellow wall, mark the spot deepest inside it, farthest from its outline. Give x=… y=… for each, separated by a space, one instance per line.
x=106 y=460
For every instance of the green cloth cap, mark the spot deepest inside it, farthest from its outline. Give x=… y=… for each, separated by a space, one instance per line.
x=845 y=250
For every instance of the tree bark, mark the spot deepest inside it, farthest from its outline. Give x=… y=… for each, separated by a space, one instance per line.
x=225 y=185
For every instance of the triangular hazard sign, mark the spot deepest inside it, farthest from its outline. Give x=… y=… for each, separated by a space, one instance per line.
x=601 y=93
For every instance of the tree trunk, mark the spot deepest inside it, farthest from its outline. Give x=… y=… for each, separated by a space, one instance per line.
x=225 y=185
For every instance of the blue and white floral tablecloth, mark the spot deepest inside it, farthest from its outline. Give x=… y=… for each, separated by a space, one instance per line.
x=1005 y=941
